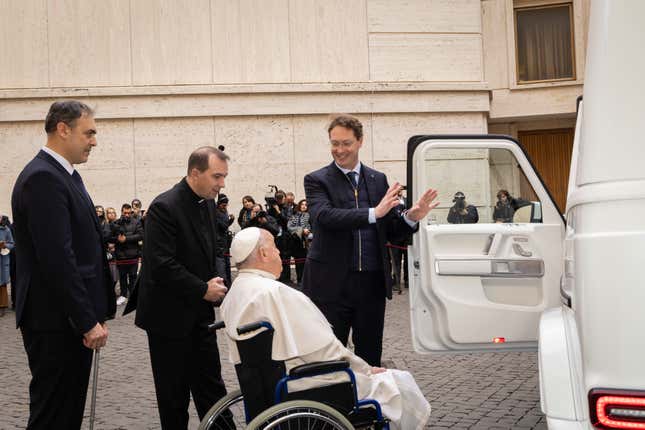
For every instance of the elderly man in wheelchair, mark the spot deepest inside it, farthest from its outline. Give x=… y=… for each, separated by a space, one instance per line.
x=293 y=372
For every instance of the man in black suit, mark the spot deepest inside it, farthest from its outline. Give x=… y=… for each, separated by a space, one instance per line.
x=347 y=272
x=178 y=287
x=64 y=292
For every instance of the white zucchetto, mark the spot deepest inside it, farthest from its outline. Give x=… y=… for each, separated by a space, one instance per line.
x=244 y=243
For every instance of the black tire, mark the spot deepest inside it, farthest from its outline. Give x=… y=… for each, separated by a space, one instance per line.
x=226 y=414
x=300 y=415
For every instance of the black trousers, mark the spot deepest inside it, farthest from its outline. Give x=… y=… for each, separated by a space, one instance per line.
x=300 y=253
x=223 y=268
x=395 y=259
x=185 y=366
x=60 y=372
x=361 y=309
x=127 y=277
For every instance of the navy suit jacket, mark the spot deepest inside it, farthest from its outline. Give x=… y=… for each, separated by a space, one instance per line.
x=333 y=218
x=62 y=270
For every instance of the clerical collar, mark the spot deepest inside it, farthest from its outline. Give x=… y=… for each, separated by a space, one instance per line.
x=197 y=198
x=356 y=169
x=259 y=272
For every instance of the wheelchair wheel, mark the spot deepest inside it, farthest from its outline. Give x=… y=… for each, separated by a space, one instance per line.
x=300 y=415
x=226 y=414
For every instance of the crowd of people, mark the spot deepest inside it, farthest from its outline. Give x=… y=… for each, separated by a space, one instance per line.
x=286 y=220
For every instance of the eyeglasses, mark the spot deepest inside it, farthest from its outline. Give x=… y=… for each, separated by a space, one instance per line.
x=344 y=143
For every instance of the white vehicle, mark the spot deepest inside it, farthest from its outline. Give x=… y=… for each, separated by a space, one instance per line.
x=573 y=289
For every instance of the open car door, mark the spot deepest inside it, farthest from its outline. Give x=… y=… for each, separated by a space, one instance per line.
x=480 y=281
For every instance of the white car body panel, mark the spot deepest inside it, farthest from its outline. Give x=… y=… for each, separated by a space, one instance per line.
x=589 y=315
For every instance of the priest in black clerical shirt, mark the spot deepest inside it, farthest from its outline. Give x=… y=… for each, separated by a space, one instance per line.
x=178 y=287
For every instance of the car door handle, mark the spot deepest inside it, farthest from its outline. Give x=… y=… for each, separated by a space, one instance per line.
x=492 y=244
x=493 y=268
x=521 y=251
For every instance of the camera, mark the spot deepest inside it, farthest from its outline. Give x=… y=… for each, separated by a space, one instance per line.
x=120 y=225
x=269 y=196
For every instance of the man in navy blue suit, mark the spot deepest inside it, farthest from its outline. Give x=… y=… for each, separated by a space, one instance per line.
x=347 y=272
x=64 y=292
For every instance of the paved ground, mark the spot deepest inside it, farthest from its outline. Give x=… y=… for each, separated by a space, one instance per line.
x=483 y=391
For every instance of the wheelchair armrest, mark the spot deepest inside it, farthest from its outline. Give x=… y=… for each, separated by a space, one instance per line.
x=246 y=328
x=318 y=368
x=215 y=326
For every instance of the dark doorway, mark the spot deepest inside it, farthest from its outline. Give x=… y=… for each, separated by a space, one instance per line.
x=550 y=152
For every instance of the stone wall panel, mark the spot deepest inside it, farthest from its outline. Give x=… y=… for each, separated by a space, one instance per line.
x=424 y=16
x=425 y=57
x=89 y=43
x=24 y=56
x=326 y=46
x=250 y=43
x=171 y=42
x=392 y=131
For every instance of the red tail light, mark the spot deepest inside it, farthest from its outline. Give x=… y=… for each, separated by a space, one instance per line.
x=499 y=340
x=617 y=409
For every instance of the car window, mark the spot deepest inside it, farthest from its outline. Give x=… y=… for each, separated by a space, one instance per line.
x=480 y=186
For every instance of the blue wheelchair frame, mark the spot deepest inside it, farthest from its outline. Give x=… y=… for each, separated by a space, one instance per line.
x=281 y=389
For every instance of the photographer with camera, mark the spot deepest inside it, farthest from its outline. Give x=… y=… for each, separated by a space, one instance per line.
x=260 y=219
x=278 y=209
x=126 y=234
x=461 y=212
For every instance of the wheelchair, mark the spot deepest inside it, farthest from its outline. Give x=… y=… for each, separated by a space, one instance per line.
x=264 y=401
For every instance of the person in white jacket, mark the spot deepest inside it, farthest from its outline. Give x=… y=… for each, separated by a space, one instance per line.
x=303 y=335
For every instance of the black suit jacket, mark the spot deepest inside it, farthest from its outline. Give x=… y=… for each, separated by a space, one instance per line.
x=177 y=263
x=62 y=269
x=333 y=219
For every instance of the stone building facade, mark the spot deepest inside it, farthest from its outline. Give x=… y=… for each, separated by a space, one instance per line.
x=260 y=77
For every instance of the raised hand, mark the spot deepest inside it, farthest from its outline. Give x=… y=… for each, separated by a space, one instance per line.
x=425 y=204
x=389 y=201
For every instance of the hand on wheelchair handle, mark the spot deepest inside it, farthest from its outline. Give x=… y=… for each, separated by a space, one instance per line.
x=376 y=370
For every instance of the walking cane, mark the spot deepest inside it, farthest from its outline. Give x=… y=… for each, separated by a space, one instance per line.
x=95 y=379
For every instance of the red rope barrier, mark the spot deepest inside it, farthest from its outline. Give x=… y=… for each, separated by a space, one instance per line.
x=124 y=262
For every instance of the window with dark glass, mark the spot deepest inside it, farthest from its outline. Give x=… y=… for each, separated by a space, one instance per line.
x=544 y=41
